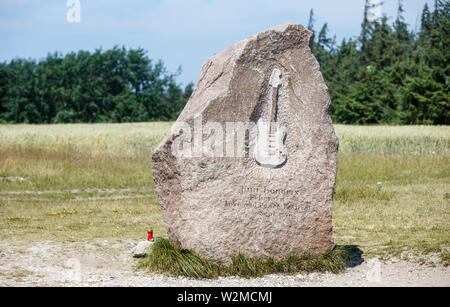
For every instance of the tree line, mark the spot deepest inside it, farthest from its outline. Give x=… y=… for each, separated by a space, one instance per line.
x=388 y=74
x=116 y=85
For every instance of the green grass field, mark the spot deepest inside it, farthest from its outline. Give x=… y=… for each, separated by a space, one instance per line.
x=85 y=182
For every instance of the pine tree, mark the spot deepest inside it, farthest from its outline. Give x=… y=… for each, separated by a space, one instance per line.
x=400 y=26
x=311 y=21
x=366 y=29
x=424 y=97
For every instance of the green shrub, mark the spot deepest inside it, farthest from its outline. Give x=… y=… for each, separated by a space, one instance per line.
x=168 y=260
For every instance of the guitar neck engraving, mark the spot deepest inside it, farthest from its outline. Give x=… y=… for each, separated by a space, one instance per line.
x=275 y=83
x=270 y=150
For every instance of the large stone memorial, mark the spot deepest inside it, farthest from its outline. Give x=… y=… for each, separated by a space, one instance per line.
x=250 y=165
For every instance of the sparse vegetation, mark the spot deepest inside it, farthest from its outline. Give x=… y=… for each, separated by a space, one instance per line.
x=167 y=259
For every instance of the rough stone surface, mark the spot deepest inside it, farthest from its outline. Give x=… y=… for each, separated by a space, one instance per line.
x=220 y=206
x=142 y=249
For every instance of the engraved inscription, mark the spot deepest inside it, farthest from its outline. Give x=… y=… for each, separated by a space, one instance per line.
x=266 y=197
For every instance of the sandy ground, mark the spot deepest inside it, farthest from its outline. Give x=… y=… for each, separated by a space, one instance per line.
x=106 y=263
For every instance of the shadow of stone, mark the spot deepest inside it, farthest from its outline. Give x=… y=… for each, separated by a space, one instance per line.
x=355 y=255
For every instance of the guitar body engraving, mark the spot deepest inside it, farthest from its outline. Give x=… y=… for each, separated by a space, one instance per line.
x=270 y=150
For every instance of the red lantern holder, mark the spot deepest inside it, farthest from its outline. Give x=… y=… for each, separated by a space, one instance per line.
x=150 y=235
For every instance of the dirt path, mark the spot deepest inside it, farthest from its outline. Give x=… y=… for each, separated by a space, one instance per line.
x=77 y=194
x=106 y=263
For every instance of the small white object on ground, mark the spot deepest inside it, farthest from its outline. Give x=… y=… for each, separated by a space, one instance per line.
x=142 y=249
x=12 y=179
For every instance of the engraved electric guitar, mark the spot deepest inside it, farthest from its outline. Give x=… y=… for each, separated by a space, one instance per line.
x=270 y=150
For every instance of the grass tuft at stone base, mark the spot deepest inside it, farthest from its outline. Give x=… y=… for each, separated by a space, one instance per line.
x=168 y=260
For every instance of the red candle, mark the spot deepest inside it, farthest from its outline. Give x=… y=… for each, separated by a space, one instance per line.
x=150 y=235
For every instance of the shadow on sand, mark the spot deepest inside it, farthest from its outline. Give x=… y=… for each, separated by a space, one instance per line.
x=355 y=257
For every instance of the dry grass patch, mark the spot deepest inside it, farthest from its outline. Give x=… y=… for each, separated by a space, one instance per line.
x=51 y=170
x=83 y=221
x=406 y=214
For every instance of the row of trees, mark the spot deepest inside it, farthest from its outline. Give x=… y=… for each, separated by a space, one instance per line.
x=388 y=74
x=117 y=85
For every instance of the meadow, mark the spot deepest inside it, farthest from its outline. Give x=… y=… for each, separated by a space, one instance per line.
x=85 y=182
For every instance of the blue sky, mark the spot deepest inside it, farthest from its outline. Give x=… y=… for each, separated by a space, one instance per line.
x=179 y=32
